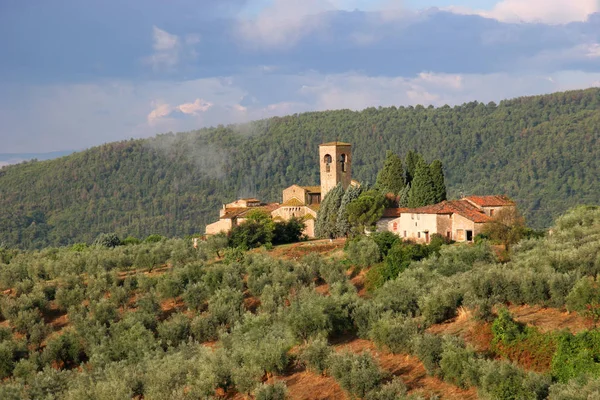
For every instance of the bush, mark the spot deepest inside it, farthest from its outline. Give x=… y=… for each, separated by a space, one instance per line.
x=505 y=329
x=65 y=350
x=364 y=315
x=440 y=305
x=195 y=296
x=363 y=252
x=400 y=256
x=110 y=240
x=394 y=333
x=154 y=238
x=505 y=381
x=174 y=331
x=358 y=374
x=276 y=391
x=385 y=241
x=584 y=293
x=204 y=328
x=226 y=306
x=307 y=317
x=576 y=356
x=459 y=365
x=428 y=348
x=315 y=354
x=576 y=389
x=393 y=390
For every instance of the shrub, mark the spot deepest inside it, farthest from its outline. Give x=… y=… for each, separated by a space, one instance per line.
x=505 y=381
x=358 y=374
x=505 y=329
x=110 y=240
x=440 y=305
x=170 y=286
x=195 y=296
x=400 y=256
x=576 y=389
x=64 y=350
x=204 y=328
x=364 y=315
x=154 y=238
x=315 y=355
x=276 y=391
x=584 y=293
x=363 y=252
x=226 y=306
x=459 y=365
x=307 y=317
x=577 y=355
x=428 y=348
x=385 y=241
x=130 y=241
x=393 y=390
x=174 y=331
x=394 y=333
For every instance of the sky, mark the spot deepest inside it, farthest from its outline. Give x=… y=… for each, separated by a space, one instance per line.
x=76 y=74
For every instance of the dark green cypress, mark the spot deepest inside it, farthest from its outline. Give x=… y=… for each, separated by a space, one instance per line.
x=326 y=224
x=422 y=192
x=412 y=159
x=343 y=225
x=390 y=178
x=439 y=184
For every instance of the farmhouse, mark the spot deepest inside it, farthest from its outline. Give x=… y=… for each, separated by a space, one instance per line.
x=335 y=159
x=458 y=220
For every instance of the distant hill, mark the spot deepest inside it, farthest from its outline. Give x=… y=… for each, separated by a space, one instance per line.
x=543 y=151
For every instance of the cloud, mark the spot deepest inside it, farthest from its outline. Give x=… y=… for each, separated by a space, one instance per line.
x=196 y=107
x=542 y=11
x=284 y=22
x=170 y=50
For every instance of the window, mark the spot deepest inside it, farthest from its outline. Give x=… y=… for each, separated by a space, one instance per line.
x=395 y=226
x=419 y=235
x=343 y=160
x=412 y=216
x=404 y=233
x=327 y=160
x=449 y=235
x=492 y=213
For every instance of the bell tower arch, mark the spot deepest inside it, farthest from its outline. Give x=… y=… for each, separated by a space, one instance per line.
x=335 y=159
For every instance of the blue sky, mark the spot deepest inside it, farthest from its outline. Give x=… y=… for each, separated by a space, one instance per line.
x=75 y=74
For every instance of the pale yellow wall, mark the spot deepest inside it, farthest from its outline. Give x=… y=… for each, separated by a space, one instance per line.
x=444 y=225
x=415 y=225
x=487 y=210
x=310 y=228
x=460 y=225
x=296 y=192
x=223 y=225
x=383 y=225
x=286 y=213
x=329 y=179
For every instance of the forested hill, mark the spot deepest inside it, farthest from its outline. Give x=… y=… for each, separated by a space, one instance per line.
x=543 y=151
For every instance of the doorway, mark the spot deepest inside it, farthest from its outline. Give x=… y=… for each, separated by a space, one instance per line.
x=469 y=236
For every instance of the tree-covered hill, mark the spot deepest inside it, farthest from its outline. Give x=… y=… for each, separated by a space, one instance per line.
x=543 y=151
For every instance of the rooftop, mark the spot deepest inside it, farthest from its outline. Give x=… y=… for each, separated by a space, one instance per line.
x=460 y=207
x=312 y=189
x=490 y=201
x=335 y=144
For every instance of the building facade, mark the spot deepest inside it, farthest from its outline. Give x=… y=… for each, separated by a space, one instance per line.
x=458 y=220
x=335 y=165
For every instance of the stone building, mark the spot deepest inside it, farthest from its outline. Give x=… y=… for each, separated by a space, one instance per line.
x=458 y=220
x=335 y=162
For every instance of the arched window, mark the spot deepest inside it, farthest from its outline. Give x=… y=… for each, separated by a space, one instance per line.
x=327 y=161
x=343 y=161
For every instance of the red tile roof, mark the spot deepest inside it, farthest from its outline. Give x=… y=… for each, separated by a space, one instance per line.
x=460 y=207
x=393 y=212
x=243 y=212
x=490 y=201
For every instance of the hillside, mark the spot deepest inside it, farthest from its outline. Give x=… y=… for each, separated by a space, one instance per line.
x=162 y=320
x=543 y=151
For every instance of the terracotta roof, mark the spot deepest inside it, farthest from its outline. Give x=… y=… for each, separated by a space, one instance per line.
x=312 y=189
x=490 y=201
x=393 y=212
x=314 y=207
x=251 y=200
x=460 y=207
x=335 y=144
x=293 y=202
x=243 y=212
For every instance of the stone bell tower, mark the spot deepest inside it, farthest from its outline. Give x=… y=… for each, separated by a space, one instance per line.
x=336 y=165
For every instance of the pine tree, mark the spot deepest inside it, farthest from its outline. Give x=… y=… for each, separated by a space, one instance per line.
x=403 y=196
x=422 y=191
x=343 y=225
x=439 y=185
x=391 y=177
x=326 y=226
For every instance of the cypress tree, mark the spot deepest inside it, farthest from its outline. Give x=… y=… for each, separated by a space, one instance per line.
x=422 y=192
x=403 y=196
x=326 y=226
x=343 y=225
x=412 y=160
x=439 y=185
x=391 y=177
